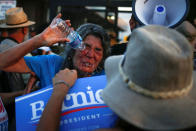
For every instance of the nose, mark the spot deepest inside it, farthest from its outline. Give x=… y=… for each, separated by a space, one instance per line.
x=90 y=53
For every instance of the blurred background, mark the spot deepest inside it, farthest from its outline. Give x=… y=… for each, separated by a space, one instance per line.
x=113 y=15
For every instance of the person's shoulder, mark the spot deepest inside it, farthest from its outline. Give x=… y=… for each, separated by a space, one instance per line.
x=44 y=58
x=6 y=44
x=54 y=57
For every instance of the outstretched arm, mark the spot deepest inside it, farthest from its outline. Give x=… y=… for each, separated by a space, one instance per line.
x=50 y=119
x=12 y=59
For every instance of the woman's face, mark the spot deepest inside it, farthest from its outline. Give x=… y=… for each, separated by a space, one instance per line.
x=88 y=59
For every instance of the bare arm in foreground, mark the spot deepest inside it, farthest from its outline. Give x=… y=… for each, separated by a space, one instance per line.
x=12 y=60
x=50 y=119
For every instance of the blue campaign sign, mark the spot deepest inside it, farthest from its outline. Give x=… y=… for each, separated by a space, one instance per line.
x=83 y=108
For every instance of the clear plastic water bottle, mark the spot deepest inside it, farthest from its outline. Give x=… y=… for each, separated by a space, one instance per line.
x=64 y=30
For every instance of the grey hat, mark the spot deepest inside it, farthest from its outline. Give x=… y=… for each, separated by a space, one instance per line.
x=151 y=86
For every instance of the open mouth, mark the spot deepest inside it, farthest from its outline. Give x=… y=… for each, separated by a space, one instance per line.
x=87 y=64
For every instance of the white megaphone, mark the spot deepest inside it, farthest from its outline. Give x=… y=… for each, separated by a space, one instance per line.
x=169 y=13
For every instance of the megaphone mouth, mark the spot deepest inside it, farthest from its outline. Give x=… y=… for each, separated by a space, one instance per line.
x=159 y=15
x=175 y=11
x=160 y=8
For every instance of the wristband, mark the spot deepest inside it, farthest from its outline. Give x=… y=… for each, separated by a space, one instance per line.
x=62 y=82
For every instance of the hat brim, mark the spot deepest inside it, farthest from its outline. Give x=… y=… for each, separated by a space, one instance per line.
x=28 y=23
x=145 y=112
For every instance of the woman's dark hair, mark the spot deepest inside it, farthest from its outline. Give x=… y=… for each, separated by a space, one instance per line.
x=85 y=30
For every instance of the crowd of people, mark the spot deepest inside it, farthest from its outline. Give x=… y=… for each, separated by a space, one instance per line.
x=150 y=83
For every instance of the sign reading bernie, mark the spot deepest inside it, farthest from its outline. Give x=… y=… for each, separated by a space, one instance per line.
x=82 y=109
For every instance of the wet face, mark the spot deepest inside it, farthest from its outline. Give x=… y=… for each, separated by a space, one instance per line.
x=89 y=59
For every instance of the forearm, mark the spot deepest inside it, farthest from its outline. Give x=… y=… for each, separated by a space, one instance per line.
x=12 y=55
x=47 y=38
x=8 y=98
x=52 y=111
x=50 y=119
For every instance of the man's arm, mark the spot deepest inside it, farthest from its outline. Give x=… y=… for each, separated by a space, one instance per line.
x=12 y=59
x=50 y=119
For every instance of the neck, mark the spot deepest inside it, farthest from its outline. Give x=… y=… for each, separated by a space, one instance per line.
x=19 y=38
x=17 y=35
x=83 y=74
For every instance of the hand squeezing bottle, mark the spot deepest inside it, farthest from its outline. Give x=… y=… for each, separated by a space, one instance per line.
x=66 y=31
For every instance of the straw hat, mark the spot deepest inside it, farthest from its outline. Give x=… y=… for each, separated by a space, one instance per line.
x=151 y=86
x=15 y=18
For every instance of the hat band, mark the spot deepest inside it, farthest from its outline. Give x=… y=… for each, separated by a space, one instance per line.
x=153 y=94
x=18 y=23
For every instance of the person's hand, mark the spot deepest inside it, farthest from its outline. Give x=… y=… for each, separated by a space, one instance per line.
x=49 y=36
x=64 y=79
x=30 y=87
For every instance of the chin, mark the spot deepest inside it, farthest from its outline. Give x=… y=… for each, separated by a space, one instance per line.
x=86 y=70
